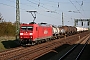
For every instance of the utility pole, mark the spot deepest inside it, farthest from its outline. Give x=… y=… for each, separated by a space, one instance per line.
x=62 y=20
x=17 y=19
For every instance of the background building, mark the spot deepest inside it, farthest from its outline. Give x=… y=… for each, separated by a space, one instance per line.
x=82 y=23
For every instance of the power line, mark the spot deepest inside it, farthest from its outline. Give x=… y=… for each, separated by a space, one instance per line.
x=56 y=9
x=21 y=3
x=75 y=7
x=8 y=5
x=12 y=6
x=81 y=7
x=25 y=10
x=36 y=4
x=45 y=7
x=40 y=5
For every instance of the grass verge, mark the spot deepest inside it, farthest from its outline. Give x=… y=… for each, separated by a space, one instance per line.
x=7 y=43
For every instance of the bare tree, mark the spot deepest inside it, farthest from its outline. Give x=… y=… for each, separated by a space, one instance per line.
x=1 y=18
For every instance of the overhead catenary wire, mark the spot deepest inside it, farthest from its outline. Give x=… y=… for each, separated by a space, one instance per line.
x=40 y=6
x=37 y=4
x=21 y=3
x=26 y=10
x=55 y=11
x=81 y=7
x=78 y=11
x=44 y=8
x=76 y=7
x=73 y=5
x=65 y=15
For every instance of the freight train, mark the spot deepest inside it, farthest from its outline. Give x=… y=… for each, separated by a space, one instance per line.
x=33 y=33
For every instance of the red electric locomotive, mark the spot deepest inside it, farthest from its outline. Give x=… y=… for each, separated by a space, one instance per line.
x=32 y=33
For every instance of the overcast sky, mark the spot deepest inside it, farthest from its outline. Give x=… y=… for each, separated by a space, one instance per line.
x=81 y=9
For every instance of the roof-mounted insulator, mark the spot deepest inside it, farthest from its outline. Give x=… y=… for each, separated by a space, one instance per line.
x=58 y=4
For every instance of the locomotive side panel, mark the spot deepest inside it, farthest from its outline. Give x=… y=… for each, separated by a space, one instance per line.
x=44 y=32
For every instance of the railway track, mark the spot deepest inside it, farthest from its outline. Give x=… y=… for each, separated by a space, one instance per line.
x=36 y=51
x=76 y=51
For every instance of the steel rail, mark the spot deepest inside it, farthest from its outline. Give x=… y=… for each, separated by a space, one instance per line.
x=69 y=51
x=82 y=50
x=43 y=49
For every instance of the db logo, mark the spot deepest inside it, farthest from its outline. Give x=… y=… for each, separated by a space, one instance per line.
x=45 y=32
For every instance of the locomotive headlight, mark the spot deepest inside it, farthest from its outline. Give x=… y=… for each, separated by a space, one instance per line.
x=31 y=36
x=21 y=37
x=31 y=33
x=21 y=33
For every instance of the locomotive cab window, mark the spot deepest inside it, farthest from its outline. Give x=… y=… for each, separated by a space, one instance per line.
x=27 y=28
x=23 y=27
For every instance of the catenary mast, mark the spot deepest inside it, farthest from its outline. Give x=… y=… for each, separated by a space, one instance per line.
x=17 y=19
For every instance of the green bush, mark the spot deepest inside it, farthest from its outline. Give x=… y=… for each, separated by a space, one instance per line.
x=7 y=29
